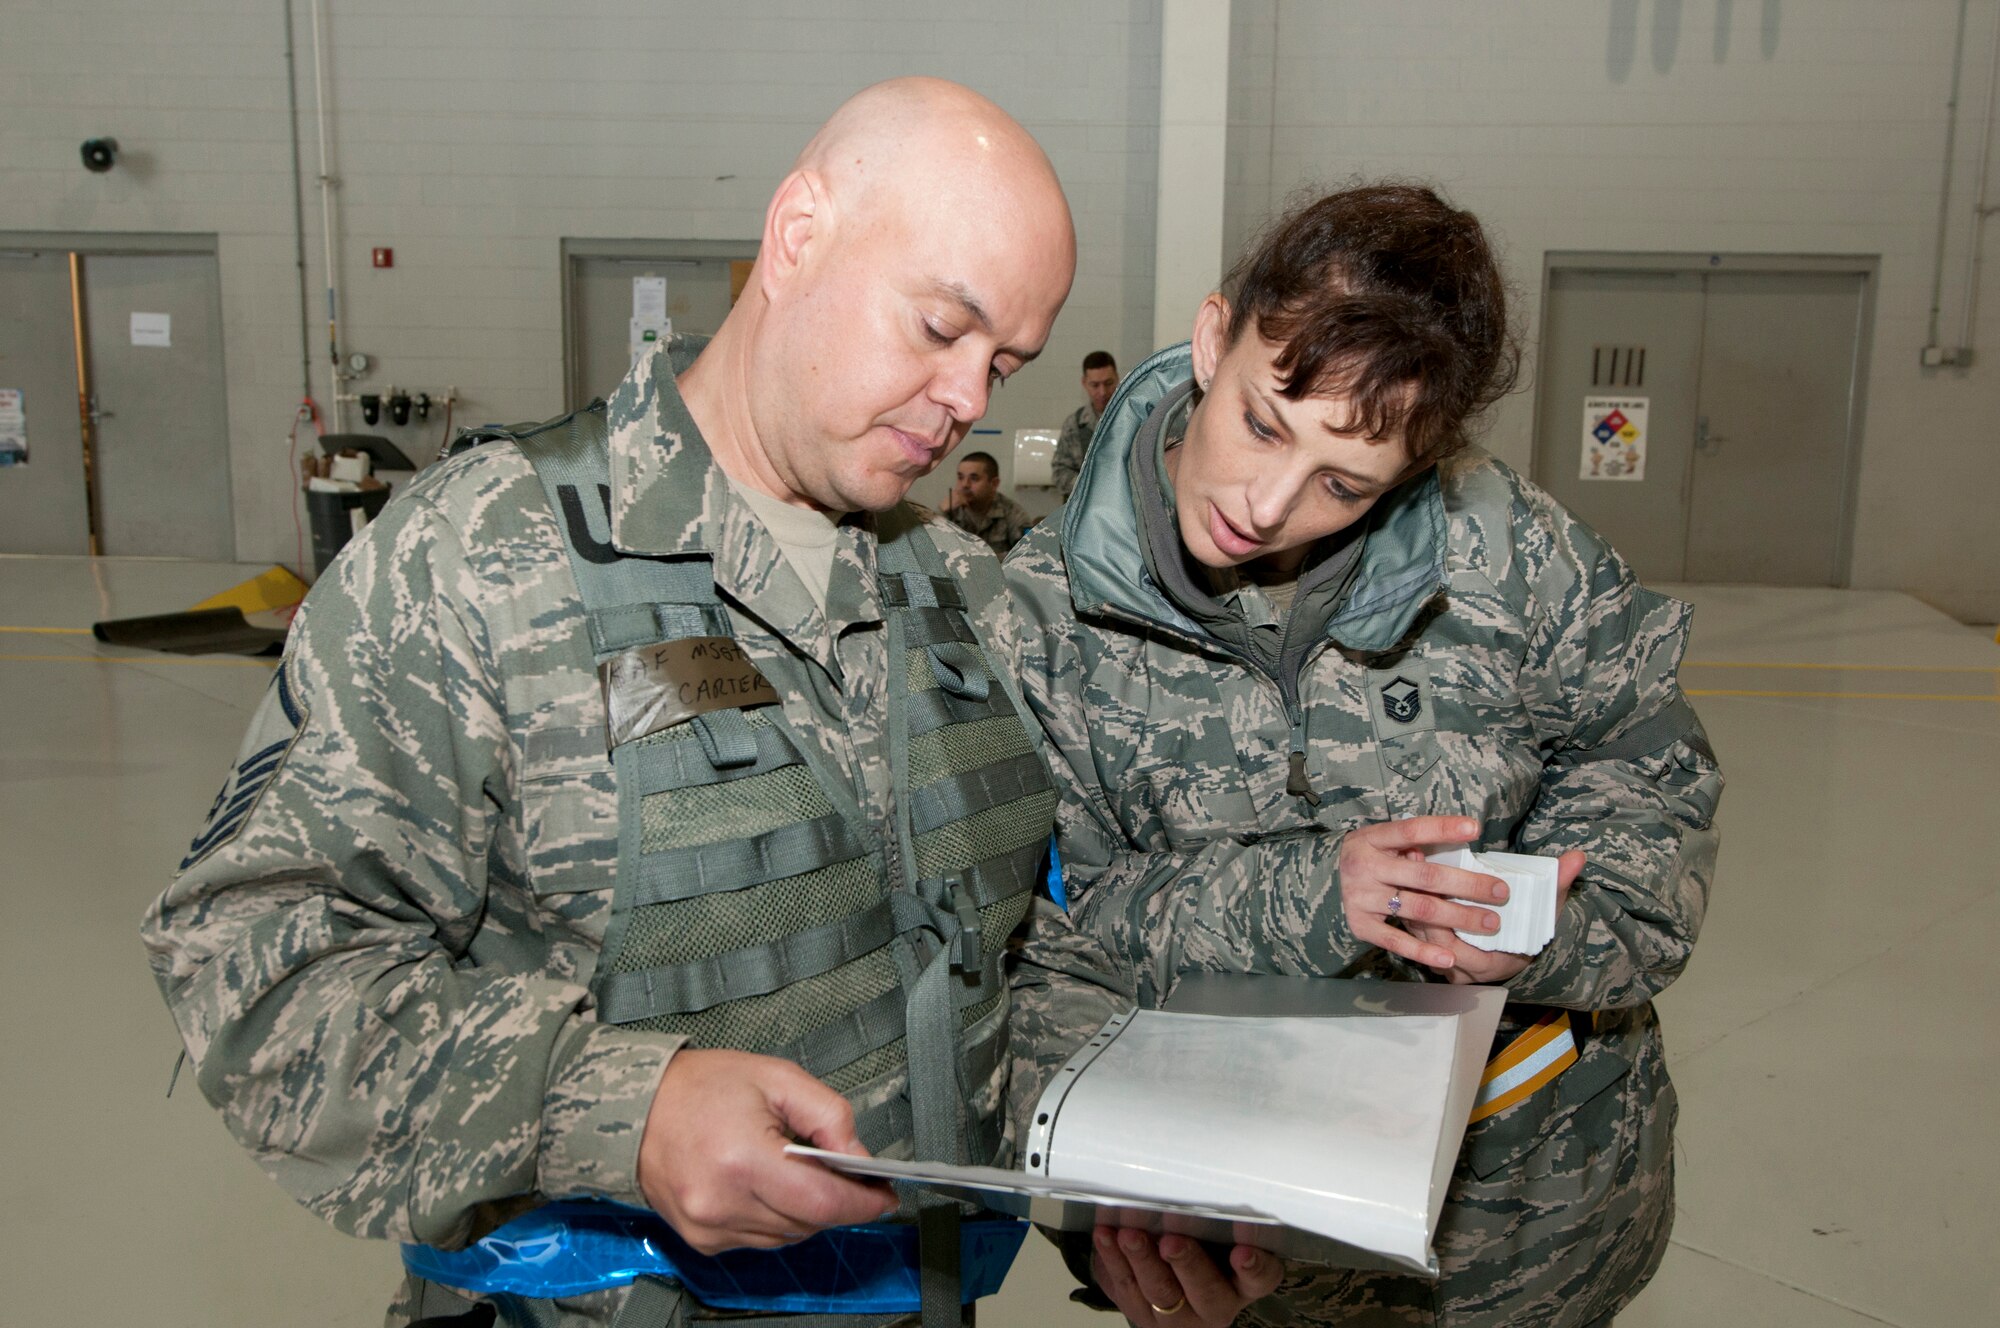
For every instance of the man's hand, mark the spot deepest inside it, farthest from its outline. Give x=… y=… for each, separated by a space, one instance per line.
x=1472 y=964
x=712 y=1160
x=1172 y=1283
x=1384 y=880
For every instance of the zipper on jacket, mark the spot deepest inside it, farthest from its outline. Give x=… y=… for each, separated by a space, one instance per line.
x=1297 y=784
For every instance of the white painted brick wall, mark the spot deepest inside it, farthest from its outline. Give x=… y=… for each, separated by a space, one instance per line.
x=472 y=136
x=1576 y=124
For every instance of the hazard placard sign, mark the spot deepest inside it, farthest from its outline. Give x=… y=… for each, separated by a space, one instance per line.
x=1614 y=438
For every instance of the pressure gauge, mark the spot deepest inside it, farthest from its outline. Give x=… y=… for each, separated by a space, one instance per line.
x=357 y=364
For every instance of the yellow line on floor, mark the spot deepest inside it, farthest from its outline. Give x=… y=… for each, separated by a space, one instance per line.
x=50 y=631
x=140 y=659
x=1844 y=668
x=1854 y=696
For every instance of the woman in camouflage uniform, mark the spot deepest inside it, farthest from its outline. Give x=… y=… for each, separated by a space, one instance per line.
x=1293 y=630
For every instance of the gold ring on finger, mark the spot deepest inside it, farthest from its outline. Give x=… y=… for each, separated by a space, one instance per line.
x=1164 y=1310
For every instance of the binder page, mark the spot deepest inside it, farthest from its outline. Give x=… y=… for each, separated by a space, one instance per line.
x=1329 y=1124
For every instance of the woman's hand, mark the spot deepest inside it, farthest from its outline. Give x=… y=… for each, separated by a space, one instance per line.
x=1172 y=1283
x=1472 y=964
x=1384 y=880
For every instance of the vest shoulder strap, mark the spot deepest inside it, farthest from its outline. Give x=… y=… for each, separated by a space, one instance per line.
x=630 y=601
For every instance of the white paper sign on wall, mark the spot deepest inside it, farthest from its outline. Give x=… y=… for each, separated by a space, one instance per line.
x=649 y=299
x=152 y=329
x=1614 y=438
x=13 y=427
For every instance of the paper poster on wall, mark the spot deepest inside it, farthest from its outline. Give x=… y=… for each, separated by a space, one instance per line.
x=646 y=332
x=13 y=427
x=152 y=329
x=1614 y=438
x=649 y=299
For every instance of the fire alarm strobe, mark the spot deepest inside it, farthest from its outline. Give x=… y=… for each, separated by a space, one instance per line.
x=385 y=258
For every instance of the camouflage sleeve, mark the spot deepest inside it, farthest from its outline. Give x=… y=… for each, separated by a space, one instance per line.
x=1239 y=903
x=316 y=946
x=1631 y=781
x=1068 y=459
x=1062 y=984
x=1062 y=989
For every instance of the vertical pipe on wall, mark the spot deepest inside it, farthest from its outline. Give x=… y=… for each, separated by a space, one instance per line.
x=298 y=206
x=326 y=186
x=1944 y=189
x=1970 y=304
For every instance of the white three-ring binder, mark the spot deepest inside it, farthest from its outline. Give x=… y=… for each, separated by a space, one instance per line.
x=1317 y=1118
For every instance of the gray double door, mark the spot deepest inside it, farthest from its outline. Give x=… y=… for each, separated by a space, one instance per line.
x=1746 y=383
x=117 y=357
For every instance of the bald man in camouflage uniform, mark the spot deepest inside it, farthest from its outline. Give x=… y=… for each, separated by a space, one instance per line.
x=387 y=950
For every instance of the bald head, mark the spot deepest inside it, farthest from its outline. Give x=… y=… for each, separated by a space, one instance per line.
x=914 y=258
x=911 y=140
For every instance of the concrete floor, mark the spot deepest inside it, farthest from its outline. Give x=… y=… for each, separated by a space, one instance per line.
x=1834 y=1042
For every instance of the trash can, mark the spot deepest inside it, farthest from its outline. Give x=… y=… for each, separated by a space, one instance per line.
x=333 y=522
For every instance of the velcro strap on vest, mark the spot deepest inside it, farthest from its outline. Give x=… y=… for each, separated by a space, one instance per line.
x=726 y=739
x=847 y=1039
x=922 y=591
x=754 y=970
x=936 y=707
x=629 y=626
x=936 y=627
x=737 y=864
x=1526 y=1065
x=985 y=883
x=960 y=670
x=956 y=797
x=875 y=1024
x=678 y=764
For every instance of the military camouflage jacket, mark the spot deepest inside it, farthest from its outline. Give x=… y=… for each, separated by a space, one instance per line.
x=379 y=949
x=1077 y=428
x=1000 y=526
x=1470 y=649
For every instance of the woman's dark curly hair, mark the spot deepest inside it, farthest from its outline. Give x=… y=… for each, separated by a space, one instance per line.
x=1389 y=295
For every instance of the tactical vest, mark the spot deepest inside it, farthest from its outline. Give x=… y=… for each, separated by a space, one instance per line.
x=759 y=905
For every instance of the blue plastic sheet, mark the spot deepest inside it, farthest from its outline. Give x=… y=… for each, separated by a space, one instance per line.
x=568 y=1248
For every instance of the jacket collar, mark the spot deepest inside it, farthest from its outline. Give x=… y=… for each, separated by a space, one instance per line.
x=1401 y=562
x=669 y=498
x=665 y=486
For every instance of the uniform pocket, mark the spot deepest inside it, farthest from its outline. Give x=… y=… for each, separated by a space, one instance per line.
x=1404 y=712
x=1411 y=757
x=1500 y=1141
x=569 y=810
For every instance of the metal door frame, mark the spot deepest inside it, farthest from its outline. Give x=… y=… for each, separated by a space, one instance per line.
x=104 y=244
x=634 y=251
x=1865 y=266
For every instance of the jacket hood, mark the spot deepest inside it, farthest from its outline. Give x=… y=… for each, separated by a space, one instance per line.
x=1401 y=563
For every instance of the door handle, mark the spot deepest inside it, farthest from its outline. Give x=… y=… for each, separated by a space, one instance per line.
x=95 y=412
x=1705 y=442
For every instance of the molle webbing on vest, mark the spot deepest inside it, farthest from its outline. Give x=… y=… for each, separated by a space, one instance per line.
x=756 y=907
